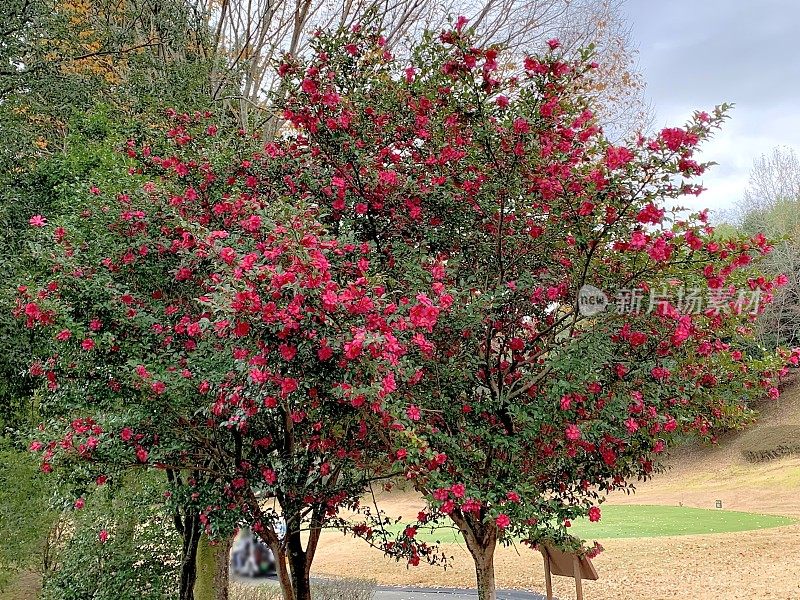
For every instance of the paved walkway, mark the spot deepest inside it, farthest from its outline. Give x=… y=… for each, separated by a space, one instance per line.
x=411 y=593
x=415 y=593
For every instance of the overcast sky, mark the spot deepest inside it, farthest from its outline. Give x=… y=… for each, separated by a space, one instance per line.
x=695 y=54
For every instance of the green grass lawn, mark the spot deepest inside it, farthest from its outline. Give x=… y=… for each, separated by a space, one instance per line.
x=634 y=521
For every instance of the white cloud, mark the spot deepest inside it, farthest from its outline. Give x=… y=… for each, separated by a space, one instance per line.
x=743 y=55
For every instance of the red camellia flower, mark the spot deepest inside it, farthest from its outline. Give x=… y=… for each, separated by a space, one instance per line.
x=502 y=521
x=650 y=214
x=424 y=314
x=631 y=425
x=413 y=413
x=660 y=250
x=269 y=475
x=572 y=433
x=594 y=514
x=102 y=536
x=617 y=157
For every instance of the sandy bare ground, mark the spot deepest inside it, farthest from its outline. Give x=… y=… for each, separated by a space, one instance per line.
x=731 y=566
x=725 y=566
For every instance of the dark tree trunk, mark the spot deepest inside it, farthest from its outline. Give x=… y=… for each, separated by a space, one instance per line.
x=191 y=539
x=298 y=567
x=292 y=561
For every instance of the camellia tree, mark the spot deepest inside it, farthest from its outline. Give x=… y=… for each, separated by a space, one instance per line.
x=398 y=285
x=578 y=322
x=200 y=321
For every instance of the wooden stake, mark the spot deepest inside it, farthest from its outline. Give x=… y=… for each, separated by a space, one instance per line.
x=547 y=579
x=576 y=569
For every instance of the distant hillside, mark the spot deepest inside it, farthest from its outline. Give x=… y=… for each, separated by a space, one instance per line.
x=757 y=469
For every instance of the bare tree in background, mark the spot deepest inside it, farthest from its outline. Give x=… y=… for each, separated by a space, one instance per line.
x=251 y=35
x=771 y=204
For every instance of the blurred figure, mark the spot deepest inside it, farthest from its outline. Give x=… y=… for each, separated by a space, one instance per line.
x=250 y=556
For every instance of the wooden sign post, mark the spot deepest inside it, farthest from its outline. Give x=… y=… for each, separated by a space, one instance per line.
x=566 y=564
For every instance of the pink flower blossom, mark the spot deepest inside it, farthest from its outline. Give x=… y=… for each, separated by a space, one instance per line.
x=441 y=494
x=660 y=250
x=631 y=425
x=37 y=221
x=638 y=338
x=388 y=177
x=424 y=314
x=638 y=240
x=269 y=475
x=324 y=352
x=572 y=433
x=617 y=157
x=650 y=214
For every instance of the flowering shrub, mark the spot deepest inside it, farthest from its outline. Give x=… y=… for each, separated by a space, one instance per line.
x=495 y=188
x=203 y=322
